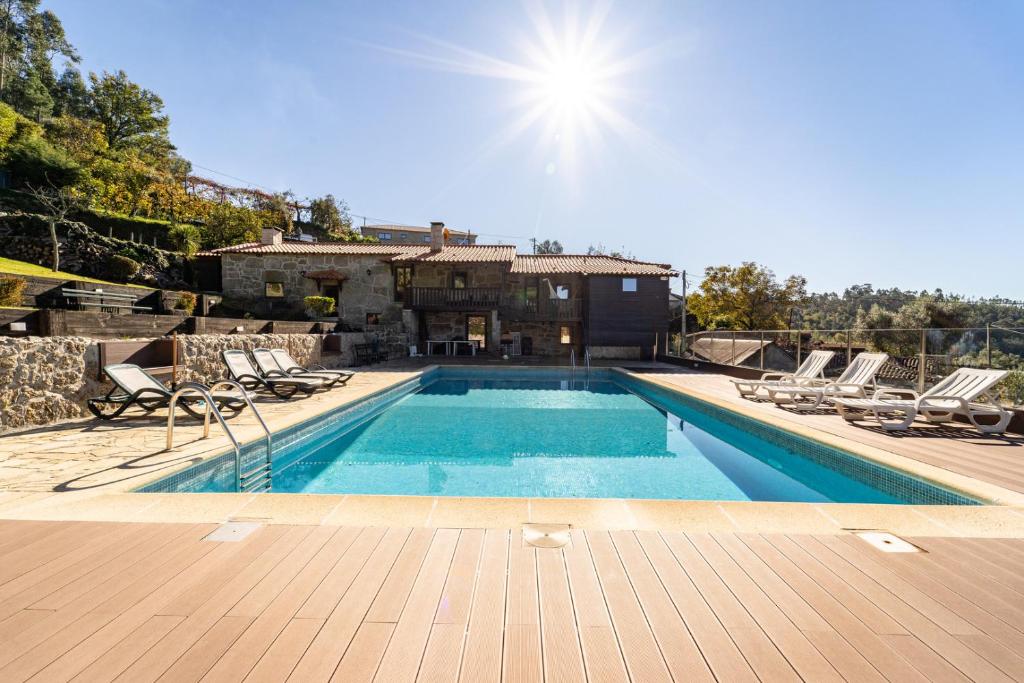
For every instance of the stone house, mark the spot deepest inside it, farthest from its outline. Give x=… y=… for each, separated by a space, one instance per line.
x=486 y=294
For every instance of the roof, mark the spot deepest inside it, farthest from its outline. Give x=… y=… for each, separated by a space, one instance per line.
x=554 y=264
x=463 y=253
x=724 y=351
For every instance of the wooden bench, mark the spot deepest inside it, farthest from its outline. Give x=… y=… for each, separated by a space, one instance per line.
x=110 y=302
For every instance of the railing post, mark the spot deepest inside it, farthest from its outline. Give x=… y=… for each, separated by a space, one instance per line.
x=849 y=348
x=799 y=348
x=732 y=358
x=762 y=349
x=988 y=345
x=920 y=369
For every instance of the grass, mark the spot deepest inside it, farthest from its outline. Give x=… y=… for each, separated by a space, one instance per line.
x=12 y=267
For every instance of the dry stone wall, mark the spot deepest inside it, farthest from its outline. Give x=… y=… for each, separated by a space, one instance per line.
x=48 y=379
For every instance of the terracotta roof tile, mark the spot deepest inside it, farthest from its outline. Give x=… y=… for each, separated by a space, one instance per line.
x=553 y=264
x=400 y=252
x=461 y=253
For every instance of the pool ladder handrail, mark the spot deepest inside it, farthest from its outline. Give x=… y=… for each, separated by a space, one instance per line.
x=244 y=482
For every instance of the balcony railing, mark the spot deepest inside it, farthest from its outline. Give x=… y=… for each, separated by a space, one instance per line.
x=542 y=309
x=453 y=299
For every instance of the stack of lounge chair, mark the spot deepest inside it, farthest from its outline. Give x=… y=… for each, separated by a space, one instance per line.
x=133 y=386
x=811 y=370
x=857 y=379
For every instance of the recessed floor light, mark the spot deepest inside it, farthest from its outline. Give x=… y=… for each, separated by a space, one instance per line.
x=888 y=543
x=546 y=535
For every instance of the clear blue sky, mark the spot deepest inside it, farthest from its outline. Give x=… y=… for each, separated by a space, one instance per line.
x=850 y=142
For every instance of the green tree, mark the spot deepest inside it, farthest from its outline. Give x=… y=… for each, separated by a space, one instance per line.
x=227 y=224
x=131 y=115
x=186 y=238
x=331 y=215
x=15 y=16
x=71 y=95
x=279 y=207
x=747 y=297
x=549 y=247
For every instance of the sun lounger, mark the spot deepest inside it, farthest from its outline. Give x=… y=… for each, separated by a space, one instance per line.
x=955 y=395
x=241 y=369
x=135 y=386
x=857 y=379
x=812 y=368
x=269 y=363
x=288 y=364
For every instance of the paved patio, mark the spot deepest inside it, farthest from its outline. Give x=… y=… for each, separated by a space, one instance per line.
x=145 y=602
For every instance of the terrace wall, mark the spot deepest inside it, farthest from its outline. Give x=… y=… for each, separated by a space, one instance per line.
x=48 y=379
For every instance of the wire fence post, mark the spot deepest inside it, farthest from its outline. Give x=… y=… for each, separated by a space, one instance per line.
x=988 y=345
x=920 y=367
x=849 y=348
x=762 y=349
x=732 y=360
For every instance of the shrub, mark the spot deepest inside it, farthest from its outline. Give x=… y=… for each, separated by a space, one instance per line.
x=1011 y=389
x=186 y=302
x=11 y=291
x=186 y=238
x=122 y=268
x=320 y=305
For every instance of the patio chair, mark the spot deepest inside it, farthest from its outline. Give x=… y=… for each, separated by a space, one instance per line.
x=856 y=380
x=269 y=367
x=135 y=386
x=288 y=364
x=241 y=369
x=812 y=368
x=955 y=395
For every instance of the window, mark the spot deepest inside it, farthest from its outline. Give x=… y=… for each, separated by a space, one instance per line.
x=476 y=330
x=565 y=334
x=383 y=235
x=530 y=290
x=403 y=235
x=274 y=290
x=372 y=318
x=426 y=238
x=460 y=280
x=403 y=280
x=562 y=292
x=629 y=284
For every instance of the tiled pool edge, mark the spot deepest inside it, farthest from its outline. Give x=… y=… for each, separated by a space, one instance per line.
x=979 y=491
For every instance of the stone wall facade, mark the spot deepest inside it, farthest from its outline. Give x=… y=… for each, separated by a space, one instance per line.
x=48 y=379
x=367 y=284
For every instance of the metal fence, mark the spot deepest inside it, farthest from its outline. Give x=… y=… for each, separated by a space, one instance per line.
x=918 y=358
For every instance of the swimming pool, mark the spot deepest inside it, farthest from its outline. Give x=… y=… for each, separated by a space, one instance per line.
x=543 y=433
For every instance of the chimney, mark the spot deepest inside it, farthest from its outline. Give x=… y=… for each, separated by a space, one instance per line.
x=271 y=236
x=436 y=236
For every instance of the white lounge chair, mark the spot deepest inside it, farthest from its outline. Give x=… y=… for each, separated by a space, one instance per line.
x=241 y=370
x=812 y=368
x=135 y=386
x=955 y=395
x=289 y=366
x=856 y=380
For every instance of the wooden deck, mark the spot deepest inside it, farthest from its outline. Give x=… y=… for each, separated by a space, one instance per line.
x=994 y=459
x=142 y=602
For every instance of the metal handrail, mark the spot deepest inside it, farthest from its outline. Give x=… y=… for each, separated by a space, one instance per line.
x=207 y=395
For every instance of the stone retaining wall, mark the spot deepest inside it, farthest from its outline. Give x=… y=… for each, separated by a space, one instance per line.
x=48 y=379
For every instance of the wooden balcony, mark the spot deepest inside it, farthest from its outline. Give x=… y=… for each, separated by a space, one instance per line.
x=453 y=299
x=542 y=309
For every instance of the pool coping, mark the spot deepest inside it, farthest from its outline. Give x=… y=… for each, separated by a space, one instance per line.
x=1001 y=514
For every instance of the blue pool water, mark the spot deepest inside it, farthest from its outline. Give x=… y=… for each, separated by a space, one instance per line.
x=467 y=433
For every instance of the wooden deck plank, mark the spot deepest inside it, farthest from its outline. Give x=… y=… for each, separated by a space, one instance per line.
x=444 y=652
x=979 y=557
x=891 y=593
x=482 y=655
x=457 y=597
x=682 y=656
x=800 y=652
x=199 y=658
x=243 y=654
x=560 y=640
x=119 y=658
x=325 y=598
x=325 y=652
x=363 y=658
x=924 y=659
x=199 y=620
x=863 y=641
x=602 y=656
x=277 y=662
x=402 y=658
x=390 y=601
x=523 y=658
x=724 y=659
x=643 y=657
x=758 y=649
